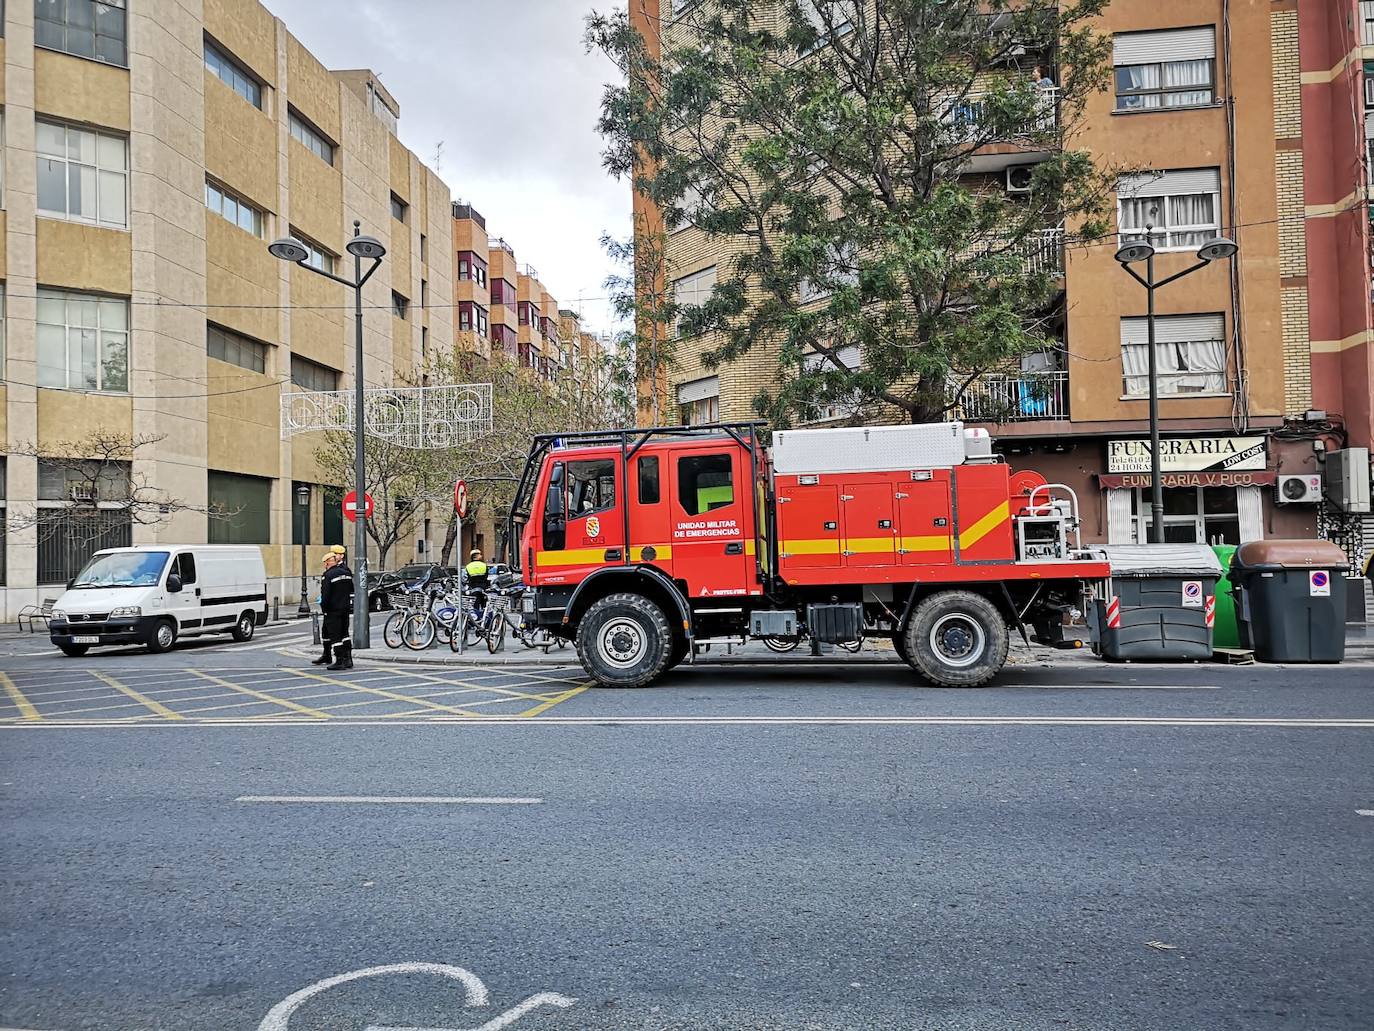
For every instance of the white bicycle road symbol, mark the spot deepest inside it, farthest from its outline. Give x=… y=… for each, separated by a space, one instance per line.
x=475 y=995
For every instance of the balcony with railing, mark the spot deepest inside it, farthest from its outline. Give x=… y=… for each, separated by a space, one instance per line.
x=1041 y=250
x=968 y=115
x=1014 y=397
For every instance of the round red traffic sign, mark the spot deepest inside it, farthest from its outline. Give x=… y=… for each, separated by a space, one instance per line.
x=350 y=506
x=460 y=498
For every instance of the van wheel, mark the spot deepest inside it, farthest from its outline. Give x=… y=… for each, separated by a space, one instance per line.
x=243 y=629
x=624 y=640
x=164 y=636
x=75 y=651
x=957 y=639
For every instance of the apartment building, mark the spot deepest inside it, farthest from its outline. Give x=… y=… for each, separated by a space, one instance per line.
x=1264 y=360
x=149 y=160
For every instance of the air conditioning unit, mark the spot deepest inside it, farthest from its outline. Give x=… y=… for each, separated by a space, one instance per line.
x=1299 y=490
x=1347 y=479
x=1019 y=178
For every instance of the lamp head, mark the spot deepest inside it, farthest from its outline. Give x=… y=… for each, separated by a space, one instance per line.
x=303 y=494
x=288 y=249
x=1134 y=252
x=1218 y=250
x=366 y=247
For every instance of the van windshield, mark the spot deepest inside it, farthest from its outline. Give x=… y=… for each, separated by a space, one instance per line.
x=123 y=569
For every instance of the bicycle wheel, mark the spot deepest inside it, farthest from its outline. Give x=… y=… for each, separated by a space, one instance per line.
x=460 y=632
x=418 y=631
x=391 y=632
x=496 y=637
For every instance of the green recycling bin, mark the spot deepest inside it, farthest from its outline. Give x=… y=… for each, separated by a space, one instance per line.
x=1225 y=632
x=1291 y=599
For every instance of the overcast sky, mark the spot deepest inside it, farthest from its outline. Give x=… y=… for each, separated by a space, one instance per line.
x=471 y=73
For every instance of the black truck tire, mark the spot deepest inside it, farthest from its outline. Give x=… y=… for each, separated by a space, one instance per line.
x=899 y=646
x=624 y=640
x=678 y=653
x=957 y=639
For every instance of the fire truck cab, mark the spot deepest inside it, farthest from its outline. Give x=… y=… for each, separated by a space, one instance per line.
x=644 y=546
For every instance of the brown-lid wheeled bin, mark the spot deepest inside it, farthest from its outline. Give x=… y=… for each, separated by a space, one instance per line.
x=1291 y=599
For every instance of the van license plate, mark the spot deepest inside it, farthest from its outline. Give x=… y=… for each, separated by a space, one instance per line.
x=85 y=640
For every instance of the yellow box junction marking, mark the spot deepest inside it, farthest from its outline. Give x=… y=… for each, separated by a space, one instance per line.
x=546 y=706
x=21 y=703
x=262 y=696
x=383 y=694
x=142 y=699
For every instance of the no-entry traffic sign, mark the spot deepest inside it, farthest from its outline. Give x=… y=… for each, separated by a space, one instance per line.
x=460 y=498
x=350 y=506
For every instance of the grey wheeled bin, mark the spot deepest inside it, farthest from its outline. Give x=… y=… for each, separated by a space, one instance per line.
x=1290 y=603
x=1160 y=602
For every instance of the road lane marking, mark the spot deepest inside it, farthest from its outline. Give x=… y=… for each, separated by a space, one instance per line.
x=142 y=699
x=385 y=694
x=546 y=706
x=475 y=992
x=1364 y=812
x=495 y=1023
x=431 y=678
x=261 y=696
x=25 y=707
x=393 y=799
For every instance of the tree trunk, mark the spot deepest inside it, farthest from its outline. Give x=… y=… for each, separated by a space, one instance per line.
x=450 y=537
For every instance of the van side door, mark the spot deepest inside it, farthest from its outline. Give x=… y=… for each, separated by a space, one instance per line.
x=185 y=604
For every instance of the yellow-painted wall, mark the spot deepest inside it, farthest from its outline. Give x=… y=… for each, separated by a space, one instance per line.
x=240 y=145
x=241 y=419
x=240 y=276
x=84 y=257
x=78 y=90
x=248 y=32
x=69 y=415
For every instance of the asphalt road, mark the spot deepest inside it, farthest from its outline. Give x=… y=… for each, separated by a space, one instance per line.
x=745 y=846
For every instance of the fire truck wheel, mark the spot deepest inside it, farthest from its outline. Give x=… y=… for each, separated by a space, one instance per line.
x=679 y=651
x=624 y=640
x=957 y=639
x=899 y=646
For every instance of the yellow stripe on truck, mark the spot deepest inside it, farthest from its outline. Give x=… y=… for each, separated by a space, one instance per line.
x=826 y=546
x=985 y=525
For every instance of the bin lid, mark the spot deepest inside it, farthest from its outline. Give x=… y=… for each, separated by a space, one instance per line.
x=1289 y=554
x=1162 y=560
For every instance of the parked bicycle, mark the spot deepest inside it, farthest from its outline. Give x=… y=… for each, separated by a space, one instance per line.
x=427 y=610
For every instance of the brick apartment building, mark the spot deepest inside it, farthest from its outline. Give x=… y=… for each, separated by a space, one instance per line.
x=148 y=162
x=1250 y=117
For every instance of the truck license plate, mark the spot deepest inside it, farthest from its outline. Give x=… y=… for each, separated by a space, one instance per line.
x=85 y=640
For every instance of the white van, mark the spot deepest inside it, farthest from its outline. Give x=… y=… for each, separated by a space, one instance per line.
x=154 y=594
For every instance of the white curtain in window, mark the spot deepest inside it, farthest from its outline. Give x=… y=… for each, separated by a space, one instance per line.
x=1180 y=75
x=1250 y=511
x=1140 y=76
x=1193 y=210
x=1119 y=516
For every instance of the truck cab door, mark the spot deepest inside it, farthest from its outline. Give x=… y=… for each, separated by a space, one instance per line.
x=650 y=538
x=582 y=522
x=712 y=517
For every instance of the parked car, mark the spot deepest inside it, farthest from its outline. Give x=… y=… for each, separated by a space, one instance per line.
x=152 y=595
x=380 y=586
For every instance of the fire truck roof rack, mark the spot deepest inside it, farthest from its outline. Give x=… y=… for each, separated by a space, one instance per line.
x=638 y=436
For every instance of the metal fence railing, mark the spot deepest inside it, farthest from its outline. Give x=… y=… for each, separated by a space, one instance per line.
x=68 y=537
x=1002 y=397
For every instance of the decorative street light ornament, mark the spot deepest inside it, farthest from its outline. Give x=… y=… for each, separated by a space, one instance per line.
x=411 y=417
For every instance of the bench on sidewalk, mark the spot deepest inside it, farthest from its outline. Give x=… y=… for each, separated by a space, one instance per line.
x=34 y=613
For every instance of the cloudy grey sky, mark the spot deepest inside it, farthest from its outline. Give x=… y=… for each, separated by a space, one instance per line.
x=508 y=89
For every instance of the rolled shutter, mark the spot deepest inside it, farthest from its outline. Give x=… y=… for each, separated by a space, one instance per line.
x=698 y=390
x=1195 y=44
x=1178 y=182
x=1119 y=516
x=1174 y=329
x=1369 y=126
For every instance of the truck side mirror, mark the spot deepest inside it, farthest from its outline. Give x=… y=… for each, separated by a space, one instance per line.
x=173 y=584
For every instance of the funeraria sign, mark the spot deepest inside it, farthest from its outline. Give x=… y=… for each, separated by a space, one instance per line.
x=1189 y=462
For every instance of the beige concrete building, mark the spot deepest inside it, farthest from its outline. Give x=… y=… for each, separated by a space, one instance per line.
x=147 y=165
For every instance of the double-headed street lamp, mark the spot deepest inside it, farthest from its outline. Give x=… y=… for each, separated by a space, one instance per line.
x=360 y=247
x=1219 y=249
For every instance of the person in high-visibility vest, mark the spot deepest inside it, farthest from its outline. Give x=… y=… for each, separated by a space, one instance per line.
x=475 y=575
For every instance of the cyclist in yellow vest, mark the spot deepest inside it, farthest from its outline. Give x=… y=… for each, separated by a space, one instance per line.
x=475 y=580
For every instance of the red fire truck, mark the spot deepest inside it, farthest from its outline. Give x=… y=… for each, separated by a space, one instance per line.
x=646 y=545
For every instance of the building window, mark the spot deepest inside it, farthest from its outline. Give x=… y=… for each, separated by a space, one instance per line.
x=227 y=346
x=311 y=138
x=233 y=74
x=333 y=515
x=310 y=375
x=1170 y=68
x=399 y=209
x=524 y=313
x=464 y=266
x=424 y=341
x=472 y=317
x=83 y=175
x=83 y=341
x=82 y=508
x=2 y=326
x=471 y=267
x=503 y=292
x=692 y=290
x=841 y=13
x=381 y=109
x=1183 y=206
x=1190 y=355
x=400 y=305
x=424 y=249
x=504 y=337
x=840 y=266
x=1192 y=515
x=235 y=210
x=240 y=507
x=300 y=513
x=3 y=520
x=318 y=258
x=424 y=294
x=699 y=401
x=97 y=29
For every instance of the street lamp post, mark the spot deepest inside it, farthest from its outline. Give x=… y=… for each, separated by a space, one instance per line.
x=360 y=247
x=1219 y=249
x=302 y=503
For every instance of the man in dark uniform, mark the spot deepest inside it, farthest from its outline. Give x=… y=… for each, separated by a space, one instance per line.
x=336 y=597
